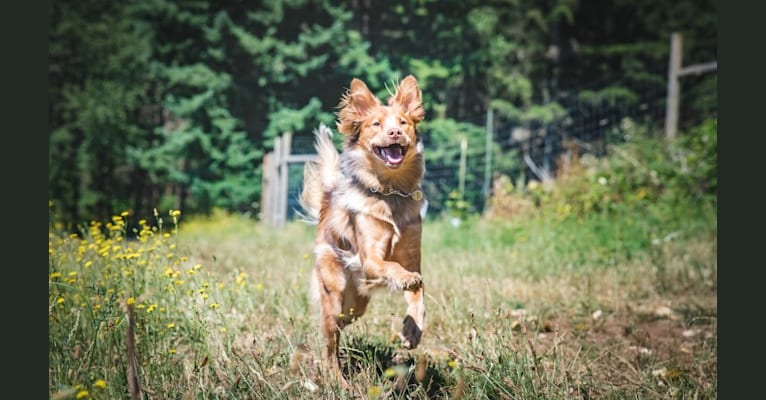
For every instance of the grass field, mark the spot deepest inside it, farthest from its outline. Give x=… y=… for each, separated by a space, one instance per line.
x=609 y=306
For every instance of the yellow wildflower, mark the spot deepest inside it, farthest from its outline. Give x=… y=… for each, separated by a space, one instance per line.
x=60 y=300
x=215 y=306
x=373 y=392
x=131 y=301
x=171 y=325
x=82 y=394
x=99 y=383
x=56 y=275
x=241 y=279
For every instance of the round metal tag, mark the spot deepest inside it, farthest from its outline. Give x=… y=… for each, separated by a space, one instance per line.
x=417 y=195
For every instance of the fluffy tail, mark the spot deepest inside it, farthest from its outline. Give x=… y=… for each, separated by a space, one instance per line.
x=320 y=176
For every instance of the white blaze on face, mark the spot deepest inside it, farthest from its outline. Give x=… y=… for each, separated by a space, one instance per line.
x=391 y=122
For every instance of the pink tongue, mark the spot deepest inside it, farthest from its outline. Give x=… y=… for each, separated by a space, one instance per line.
x=392 y=154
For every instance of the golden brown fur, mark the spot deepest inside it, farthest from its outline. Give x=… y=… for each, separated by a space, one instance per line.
x=367 y=203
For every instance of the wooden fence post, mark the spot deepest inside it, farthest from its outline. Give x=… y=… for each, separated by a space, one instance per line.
x=675 y=72
x=267 y=188
x=284 y=172
x=674 y=88
x=275 y=187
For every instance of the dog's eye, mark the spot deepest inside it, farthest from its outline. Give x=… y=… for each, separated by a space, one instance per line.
x=376 y=123
x=403 y=122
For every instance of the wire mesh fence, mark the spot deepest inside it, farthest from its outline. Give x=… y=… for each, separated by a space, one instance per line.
x=459 y=173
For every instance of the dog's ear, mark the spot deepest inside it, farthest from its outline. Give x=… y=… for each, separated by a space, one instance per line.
x=354 y=106
x=408 y=97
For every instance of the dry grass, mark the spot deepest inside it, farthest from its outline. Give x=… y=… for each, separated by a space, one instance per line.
x=496 y=330
x=505 y=320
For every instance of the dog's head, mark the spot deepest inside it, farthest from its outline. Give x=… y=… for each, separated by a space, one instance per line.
x=382 y=137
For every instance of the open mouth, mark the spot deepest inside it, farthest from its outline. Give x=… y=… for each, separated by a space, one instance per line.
x=392 y=155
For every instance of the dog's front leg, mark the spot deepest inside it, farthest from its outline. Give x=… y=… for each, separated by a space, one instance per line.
x=408 y=254
x=374 y=239
x=414 y=322
x=389 y=273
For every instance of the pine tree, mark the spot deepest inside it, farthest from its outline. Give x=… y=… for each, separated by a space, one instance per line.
x=96 y=85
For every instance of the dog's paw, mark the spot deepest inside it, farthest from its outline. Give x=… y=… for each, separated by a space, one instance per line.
x=411 y=281
x=406 y=343
x=401 y=340
x=410 y=334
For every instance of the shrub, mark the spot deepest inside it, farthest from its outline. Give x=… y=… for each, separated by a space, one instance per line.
x=643 y=173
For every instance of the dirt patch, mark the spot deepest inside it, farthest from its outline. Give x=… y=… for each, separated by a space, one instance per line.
x=648 y=348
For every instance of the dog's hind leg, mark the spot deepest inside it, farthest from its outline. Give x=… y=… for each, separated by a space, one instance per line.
x=330 y=327
x=414 y=322
x=328 y=283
